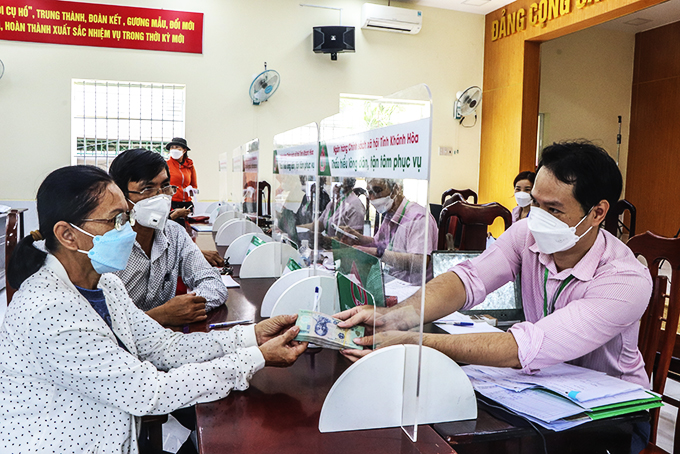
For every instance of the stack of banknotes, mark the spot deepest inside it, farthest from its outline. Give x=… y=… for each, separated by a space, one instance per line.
x=322 y=330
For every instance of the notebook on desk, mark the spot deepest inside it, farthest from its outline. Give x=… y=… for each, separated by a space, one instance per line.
x=505 y=304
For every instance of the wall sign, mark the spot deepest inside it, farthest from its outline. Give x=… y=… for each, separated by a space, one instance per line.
x=297 y=160
x=538 y=14
x=398 y=151
x=90 y=24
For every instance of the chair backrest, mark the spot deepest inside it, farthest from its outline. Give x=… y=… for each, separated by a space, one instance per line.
x=362 y=192
x=466 y=193
x=653 y=341
x=474 y=221
x=613 y=225
x=450 y=224
x=11 y=239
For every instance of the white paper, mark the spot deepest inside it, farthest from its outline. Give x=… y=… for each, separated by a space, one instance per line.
x=478 y=327
x=201 y=227
x=174 y=435
x=577 y=383
x=402 y=290
x=229 y=281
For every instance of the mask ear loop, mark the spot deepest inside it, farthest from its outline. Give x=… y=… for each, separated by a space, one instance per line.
x=583 y=219
x=86 y=233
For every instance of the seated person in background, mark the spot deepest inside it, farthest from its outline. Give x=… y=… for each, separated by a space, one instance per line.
x=583 y=290
x=345 y=209
x=400 y=239
x=163 y=250
x=79 y=362
x=524 y=182
x=305 y=214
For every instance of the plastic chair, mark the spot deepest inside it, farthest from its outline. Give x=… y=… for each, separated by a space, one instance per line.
x=656 y=344
x=470 y=223
x=613 y=225
x=465 y=193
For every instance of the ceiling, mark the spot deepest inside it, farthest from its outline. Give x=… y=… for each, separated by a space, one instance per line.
x=468 y=6
x=653 y=17
x=646 y=19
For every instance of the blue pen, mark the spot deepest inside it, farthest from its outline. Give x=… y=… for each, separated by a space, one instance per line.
x=317 y=298
x=457 y=323
x=228 y=324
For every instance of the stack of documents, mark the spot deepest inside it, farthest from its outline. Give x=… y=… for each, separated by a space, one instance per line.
x=561 y=396
x=322 y=330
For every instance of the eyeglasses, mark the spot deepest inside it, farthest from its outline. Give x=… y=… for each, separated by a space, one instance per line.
x=375 y=190
x=151 y=192
x=118 y=220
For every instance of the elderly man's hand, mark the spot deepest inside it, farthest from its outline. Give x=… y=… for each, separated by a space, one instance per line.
x=180 y=310
x=213 y=257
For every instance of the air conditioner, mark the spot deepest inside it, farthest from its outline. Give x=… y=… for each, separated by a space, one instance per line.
x=391 y=18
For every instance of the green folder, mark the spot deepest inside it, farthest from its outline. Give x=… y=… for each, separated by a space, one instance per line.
x=623 y=408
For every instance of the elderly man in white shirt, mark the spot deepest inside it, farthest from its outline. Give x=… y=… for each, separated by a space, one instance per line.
x=162 y=252
x=79 y=362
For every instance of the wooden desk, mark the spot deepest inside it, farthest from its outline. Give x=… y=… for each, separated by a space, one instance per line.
x=491 y=435
x=280 y=411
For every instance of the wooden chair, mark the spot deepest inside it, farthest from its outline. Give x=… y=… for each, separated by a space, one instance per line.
x=11 y=239
x=362 y=192
x=264 y=213
x=465 y=193
x=613 y=225
x=658 y=331
x=450 y=224
x=473 y=223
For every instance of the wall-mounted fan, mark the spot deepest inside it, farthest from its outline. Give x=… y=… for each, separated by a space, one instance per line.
x=264 y=85
x=467 y=103
x=2 y=69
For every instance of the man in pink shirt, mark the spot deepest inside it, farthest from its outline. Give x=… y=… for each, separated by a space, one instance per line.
x=583 y=291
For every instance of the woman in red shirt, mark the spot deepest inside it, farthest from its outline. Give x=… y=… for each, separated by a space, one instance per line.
x=182 y=175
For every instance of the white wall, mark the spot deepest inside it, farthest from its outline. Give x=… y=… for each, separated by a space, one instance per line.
x=239 y=36
x=586 y=82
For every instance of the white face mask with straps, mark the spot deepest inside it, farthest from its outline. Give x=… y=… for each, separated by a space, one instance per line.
x=152 y=212
x=551 y=234
x=523 y=198
x=176 y=153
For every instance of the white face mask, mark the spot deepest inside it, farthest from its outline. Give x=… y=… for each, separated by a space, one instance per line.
x=176 y=154
x=523 y=198
x=551 y=234
x=152 y=212
x=383 y=204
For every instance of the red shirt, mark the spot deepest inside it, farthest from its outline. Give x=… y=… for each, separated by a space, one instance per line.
x=182 y=175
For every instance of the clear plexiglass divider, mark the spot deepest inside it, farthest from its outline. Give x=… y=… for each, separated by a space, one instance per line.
x=378 y=227
x=296 y=194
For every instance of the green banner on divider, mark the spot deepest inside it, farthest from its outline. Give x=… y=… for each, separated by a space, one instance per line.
x=352 y=294
x=365 y=269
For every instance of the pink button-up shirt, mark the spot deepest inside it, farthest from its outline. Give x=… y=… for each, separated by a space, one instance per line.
x=595 y=323
x=404 y=231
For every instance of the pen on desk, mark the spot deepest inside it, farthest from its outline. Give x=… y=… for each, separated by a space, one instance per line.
x=317 y=297
x=228 y=324
x=457 y=323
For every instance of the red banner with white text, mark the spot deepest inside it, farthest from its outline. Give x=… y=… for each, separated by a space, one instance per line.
x=91 y=24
